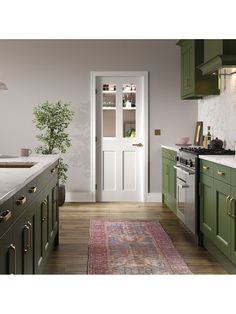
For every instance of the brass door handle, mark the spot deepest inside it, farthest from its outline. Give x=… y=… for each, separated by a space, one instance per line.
x=138 y=145
x=227 y=206
x=33 y=189
x=26 y=247
x=205 y=167
x=13 y=249
x=220 y=173
x=232 y=210
x=5 y=216
x=21 y=200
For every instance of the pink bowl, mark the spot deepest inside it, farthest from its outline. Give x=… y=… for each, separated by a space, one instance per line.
x=184 y=140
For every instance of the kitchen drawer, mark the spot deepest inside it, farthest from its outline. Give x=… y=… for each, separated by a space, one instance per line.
x=32 y=190
x=20 y=202
x=48 y=174
x=222 y=173
x=169 y=154
x=206 y=167
x=6 y=215
x=233 y=177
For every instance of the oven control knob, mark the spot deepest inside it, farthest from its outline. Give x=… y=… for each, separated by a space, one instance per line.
x=177 y=158
x=186 y=162
x=190 y=163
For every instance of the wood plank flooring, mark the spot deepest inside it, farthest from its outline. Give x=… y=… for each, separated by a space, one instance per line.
x=71 y=256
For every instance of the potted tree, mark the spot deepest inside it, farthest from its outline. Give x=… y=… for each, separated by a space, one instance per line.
x=52 y=119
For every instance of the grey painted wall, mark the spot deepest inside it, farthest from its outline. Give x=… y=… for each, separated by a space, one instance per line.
x=39 y=70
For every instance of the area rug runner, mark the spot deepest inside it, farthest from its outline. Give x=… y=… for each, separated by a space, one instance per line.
x=132 y=247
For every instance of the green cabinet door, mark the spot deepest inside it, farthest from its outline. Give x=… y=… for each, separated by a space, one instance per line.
x=7 y=254
x=169 y=183
x=222 y=219
x=165 y=175
x=232 y=205
x=187 y=66
x=207 y=209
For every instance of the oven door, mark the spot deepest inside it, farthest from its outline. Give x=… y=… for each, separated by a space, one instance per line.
x=181 y=195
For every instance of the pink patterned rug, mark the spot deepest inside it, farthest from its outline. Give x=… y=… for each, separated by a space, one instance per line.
x=132 y=247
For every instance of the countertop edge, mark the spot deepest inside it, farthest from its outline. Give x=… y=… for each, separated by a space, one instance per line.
x=171 y=147
x=8 y=195
x=224 y=160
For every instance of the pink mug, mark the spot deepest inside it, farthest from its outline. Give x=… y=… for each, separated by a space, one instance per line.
x=25 y=152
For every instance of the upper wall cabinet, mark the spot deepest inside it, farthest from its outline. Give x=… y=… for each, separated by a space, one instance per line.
x=193 y=84
x=218 y=54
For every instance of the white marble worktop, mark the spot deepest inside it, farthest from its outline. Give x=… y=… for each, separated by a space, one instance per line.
x=13 y=179
x=171 y=147
x=225 y=160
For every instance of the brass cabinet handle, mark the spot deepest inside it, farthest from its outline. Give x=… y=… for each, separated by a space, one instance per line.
x=53 y=170
x=21 y=200
x=33 y=189
x=26 y=247
x=44 y=208
x=138 y=145
x=5 y=216
x=13 y=249
x=220 y=173
x=227 y=206
x=232 y=210
x=205 y=167
x=30 y=235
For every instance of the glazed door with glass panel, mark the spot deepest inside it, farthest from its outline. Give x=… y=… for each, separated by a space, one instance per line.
x=119 y=139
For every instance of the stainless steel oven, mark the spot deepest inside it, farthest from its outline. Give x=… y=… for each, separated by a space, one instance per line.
x=185 y=193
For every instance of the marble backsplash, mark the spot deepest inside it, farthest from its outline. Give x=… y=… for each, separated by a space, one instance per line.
x=219 y=112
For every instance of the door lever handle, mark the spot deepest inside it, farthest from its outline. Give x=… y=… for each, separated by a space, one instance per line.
x=138 y=145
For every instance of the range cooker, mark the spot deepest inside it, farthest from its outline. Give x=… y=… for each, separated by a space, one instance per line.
x=187 y=184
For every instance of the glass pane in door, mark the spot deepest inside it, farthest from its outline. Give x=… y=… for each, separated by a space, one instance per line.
x=129 y=95
x=109 y=95
x=129 y=122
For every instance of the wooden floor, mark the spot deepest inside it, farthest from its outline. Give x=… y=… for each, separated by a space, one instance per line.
x=71 y=256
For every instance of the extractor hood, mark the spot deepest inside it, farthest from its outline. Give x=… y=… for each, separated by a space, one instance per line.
x=219 y=63
x=219 y=57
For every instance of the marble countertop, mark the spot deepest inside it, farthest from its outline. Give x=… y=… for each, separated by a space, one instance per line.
x=13 y=179
x=224 y=160
x=171 y=147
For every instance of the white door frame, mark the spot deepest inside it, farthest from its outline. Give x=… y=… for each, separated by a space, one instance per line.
x=143 y=75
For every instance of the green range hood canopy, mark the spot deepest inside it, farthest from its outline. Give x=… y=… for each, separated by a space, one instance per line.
x=217 y=63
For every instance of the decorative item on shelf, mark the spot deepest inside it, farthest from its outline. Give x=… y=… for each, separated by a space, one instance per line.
x=3 y=86
x=198 y=138
x=205 y=141
x=208 y=136
x=216 y=144
x=128 y=104
x=52 y=119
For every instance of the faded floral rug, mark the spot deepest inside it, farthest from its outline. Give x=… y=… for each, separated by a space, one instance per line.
x=132 y=247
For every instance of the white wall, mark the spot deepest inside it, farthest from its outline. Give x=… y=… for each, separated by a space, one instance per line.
x=39 y=70
x=219 y=112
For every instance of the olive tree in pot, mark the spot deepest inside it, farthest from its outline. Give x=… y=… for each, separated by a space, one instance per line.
x=52 y=119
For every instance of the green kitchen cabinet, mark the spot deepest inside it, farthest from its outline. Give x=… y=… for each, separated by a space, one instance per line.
x=193 y=84
x=206 y=206
x=222 y=219
x=217 y=211
x=29 y=225
x=169 y=179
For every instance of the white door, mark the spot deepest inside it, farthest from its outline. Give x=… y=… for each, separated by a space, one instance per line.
x=120 y=138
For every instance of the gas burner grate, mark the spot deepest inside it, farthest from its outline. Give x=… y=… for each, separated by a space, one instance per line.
x=206 y=151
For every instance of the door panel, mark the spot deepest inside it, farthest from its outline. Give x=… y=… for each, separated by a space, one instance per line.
x=222 y=219
x=119 y=126
x=109 y=171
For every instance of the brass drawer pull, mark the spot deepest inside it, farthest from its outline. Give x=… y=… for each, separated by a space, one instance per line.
x=232 y=210
x=21 y=200
x=220 y=173
x=13 y=249
x=33 y=189
x=30 y=234
x=26 y=248
x=205 y=168
x=5 y=216
x=227 y=211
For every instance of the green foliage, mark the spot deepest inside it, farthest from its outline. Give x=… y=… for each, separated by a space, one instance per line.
x=52 y=119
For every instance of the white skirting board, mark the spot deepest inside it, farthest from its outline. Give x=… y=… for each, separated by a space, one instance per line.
x=88 y=197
